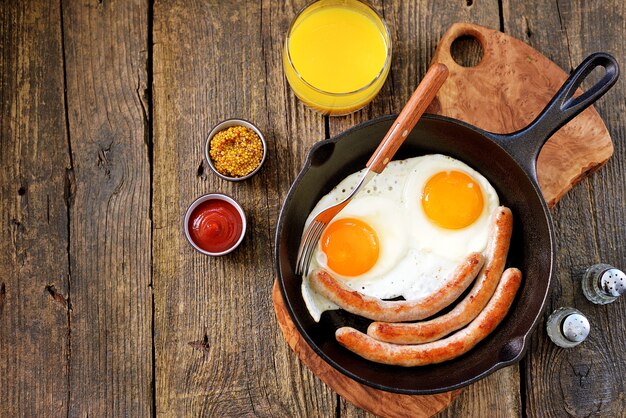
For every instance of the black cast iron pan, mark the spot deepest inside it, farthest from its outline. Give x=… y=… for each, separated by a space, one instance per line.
x=509 y=163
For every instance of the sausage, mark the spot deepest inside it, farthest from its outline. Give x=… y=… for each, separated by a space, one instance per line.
x=500 y=230
x=442 y=350
x=402 y=310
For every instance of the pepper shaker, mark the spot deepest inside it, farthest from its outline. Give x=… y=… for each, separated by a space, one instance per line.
x=603 y=283
x=567 y=327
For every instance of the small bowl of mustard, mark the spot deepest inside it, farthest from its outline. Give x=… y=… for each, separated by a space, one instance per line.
x=235 y=149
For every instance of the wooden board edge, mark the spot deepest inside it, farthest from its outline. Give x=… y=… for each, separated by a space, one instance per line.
x=381 y=403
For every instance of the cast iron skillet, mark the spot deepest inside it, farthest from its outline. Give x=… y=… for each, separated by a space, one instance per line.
x=509 y=163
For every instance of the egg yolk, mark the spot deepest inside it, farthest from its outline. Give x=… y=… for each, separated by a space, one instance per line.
x=452 y=199
x=351 y=246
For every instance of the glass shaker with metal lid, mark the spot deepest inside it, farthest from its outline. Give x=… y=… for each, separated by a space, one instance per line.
x=567 y=327
x=603 y=283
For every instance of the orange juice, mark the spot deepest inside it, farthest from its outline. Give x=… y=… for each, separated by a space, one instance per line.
x=337 y=55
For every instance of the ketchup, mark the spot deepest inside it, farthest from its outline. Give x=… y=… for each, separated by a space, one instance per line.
x=215 y=225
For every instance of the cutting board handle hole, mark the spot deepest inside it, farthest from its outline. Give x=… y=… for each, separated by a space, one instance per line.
x=466 y=51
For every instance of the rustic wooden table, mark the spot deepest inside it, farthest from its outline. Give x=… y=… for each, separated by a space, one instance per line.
x=105 y=310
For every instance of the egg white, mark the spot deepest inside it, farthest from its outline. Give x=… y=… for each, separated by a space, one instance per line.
x=416 y=256
x=451 y=243
x=388 y=220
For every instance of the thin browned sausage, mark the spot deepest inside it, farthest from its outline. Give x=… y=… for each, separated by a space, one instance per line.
x=438 y=351
x=500 y=230
x=381 y=310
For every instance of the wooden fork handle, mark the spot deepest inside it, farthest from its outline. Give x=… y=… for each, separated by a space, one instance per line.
x=408 y=117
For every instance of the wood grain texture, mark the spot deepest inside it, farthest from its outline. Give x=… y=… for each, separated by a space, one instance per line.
x=416 y=29
x=378 y=402
x=76 y=236
x=506 y=91
x=412 y=111
x=110 y=227
x=590 y=223
x=219 y=351
x=33 y=215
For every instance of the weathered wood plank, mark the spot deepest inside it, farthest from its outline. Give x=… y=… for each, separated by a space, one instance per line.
x=416 y=29
x=33 y=215
x=106 y=52
x=247 y=368
x=292 y=129
x=590 y=222
x=478 y=400
x=33 y=228
x=219 y=351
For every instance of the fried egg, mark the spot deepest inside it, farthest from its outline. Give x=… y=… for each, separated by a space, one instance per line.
x=450 y=205
x=406 y=232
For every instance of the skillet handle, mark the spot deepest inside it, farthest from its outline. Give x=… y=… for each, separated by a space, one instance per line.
x=525 y=144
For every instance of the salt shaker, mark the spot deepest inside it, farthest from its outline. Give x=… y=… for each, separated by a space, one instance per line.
x=567 y=327
x=603 y=283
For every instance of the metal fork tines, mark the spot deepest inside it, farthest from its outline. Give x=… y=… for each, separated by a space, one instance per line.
x=307 y=247
x=393 y=139
x=315 y=229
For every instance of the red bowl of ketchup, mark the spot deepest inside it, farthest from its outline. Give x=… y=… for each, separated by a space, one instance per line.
x=215 y=224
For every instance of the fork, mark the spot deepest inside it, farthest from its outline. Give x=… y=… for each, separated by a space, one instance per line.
x=399 y=131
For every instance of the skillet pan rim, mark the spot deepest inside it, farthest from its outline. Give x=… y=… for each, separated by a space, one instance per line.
x=300 y=327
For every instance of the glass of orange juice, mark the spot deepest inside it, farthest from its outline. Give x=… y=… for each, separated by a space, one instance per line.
x=337 y=55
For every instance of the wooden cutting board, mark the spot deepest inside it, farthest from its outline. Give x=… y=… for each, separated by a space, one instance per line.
x=504 y=92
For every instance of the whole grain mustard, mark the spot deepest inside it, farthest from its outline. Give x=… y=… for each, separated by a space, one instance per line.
x=236 y=151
